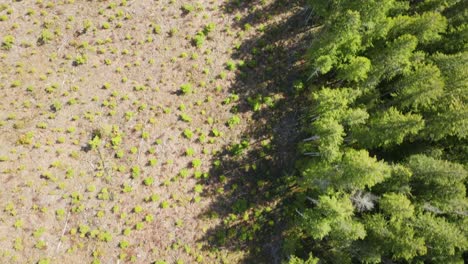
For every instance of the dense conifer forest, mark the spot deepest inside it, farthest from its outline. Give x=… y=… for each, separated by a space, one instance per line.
x=383 y=174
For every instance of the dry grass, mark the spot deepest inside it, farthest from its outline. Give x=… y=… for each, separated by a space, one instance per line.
x=137 y=55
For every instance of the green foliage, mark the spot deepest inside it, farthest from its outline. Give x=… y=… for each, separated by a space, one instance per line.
x=124 y=244
x=396 y=206
x=186 y=88
x=196 y=163
x=209 y=28
x=45 y=37
x=136 y=172
x=439 y=183
x=388 y=128
x=230 y=65
x=189 y=152
x=44 y=261
x=426 y=27
x=116 y=140
x=355 y=69
x=420 y=88
x=187 y=8
x=95 y=142
x=148 y=181
x=296 y=260
x=388 y=78
x=164 y=204
x=199 y=39
x=333 y=218
x=80 y=59
x=186 y=118
x=26 y=139
x=233 y=121
x=443 y=238
x=188 y=133
x=7 y=42
x=137 y=209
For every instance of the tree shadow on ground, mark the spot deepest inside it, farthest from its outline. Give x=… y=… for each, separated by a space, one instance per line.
x=249 y=180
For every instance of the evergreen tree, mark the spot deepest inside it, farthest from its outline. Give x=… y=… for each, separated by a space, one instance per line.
x=392 y=59
x=384 y=173
x=439 y=183
x=388 y=128
x=419 y=89
x=427 y=27
x=358 y=170
x=443 y=239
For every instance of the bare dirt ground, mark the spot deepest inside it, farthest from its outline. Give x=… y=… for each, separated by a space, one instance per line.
x=111 y=115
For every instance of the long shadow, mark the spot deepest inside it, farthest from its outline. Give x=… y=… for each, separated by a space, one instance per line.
x=250 y=179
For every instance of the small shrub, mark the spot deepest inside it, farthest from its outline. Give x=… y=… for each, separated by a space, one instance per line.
x=156 y=29
x=186 y=88
x=91 y=188
x=164 y=204
x=127 y=231
x=209 y=28
x=105 y=236
x=188 y=133
x=231 y=66
x=187 y=8
x=105 y=25
x=153 y=198
x=186 y=118
x=56 y=106
x=80 y=60
x=116 y=140
x=135 y=172
x=198 y=188
x=26 y=139
x=45 y=37
x=199 y=39
x=148 y=181
x=18 y=224
x=127 y=188
x=152 y=161
x=133 y=150
x=8 y=42
x=196 y=163
x=189 y=152
x=184 y=173
x=137 y=209
x=119 y=154
x=139 y=225
x=44 y=261
x=234 y=120
x=149 y=218
x=95 y=142
x=216 y=132
x=124 y=244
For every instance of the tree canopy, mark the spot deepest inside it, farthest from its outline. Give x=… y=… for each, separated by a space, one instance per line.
x=384 y=170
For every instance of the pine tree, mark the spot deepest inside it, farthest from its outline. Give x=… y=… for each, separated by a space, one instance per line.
x=385 y=173
x=357 y=171
x=392 y=59
x=354 y=69
x=387 y=128
x=445 y=242
x=439 y=183
x=329 y=137
x=419 y=89
x=341 y=38
x=427 y=27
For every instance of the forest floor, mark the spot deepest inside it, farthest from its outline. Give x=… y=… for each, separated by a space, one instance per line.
x=127 y=137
